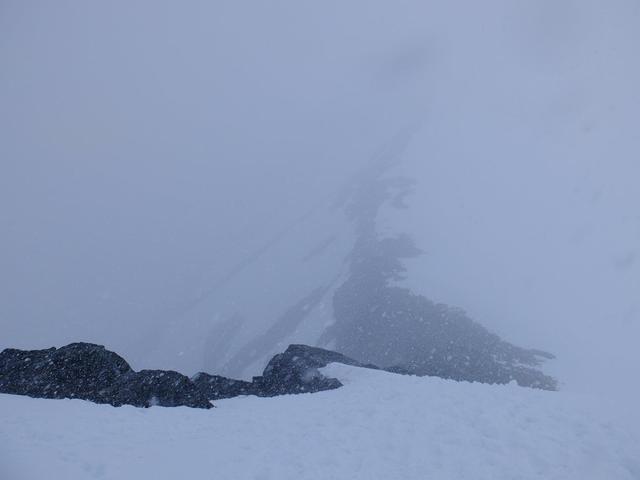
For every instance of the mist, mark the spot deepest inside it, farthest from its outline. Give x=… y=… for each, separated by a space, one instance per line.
x=170 y=170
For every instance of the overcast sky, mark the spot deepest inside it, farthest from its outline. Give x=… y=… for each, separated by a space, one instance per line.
x=146 y=146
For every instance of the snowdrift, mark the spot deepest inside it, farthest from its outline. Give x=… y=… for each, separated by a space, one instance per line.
x=378 y=426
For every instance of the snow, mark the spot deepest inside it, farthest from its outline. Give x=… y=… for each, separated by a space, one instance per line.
x=378 y=426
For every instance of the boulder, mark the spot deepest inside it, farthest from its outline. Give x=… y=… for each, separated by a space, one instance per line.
x=78 y=370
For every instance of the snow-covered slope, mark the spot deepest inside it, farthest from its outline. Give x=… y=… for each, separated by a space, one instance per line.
x=378 y=426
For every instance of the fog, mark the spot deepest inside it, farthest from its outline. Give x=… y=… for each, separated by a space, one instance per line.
x=164 y=166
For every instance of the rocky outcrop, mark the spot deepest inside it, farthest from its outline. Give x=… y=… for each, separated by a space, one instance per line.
x=91 y=372
x=375 y=318
x=292 y=372
x=296 y=371
x=79 y=370
x=215 y=387
x=378 y=321
x=164 y=388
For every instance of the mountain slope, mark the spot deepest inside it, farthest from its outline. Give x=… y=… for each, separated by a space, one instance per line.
x=351 y=300
x=378 y=426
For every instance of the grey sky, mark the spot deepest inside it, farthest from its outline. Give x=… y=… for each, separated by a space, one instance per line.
x=148 y=147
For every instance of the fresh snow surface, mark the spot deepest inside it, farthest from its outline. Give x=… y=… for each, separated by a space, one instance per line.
x=379 y=426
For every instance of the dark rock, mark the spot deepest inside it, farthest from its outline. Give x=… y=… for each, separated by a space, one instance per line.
x=164 y=388
x=379 y=322
x=78 y=370
x=296 y=371
x=91 y=372
x=292 y=372
x=215 y=387
x=406 y=333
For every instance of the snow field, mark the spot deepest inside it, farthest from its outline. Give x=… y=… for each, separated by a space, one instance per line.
x=378 y=426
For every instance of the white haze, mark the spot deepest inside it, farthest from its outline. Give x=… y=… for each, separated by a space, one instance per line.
x=147 y=148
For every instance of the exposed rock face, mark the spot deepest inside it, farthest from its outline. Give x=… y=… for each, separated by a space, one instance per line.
x=296 y=371
x=399 y=330
x=379 y=322
x=165 y=388
x=377 y=317
x=90 y=372
x=292 y=372
x=78 y=370
x=215 y=387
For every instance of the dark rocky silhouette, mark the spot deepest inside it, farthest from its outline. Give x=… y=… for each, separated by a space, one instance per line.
x=78 y=370
x=377 y=321
x=292 y=372
x=296 y=371
x=164 y=388
x=375 y=318
x=91 y=372
x=215 y=387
